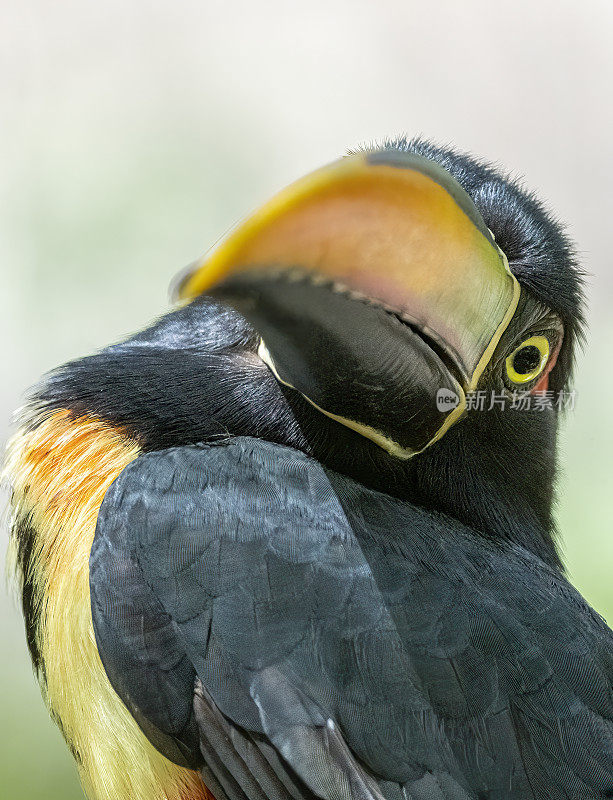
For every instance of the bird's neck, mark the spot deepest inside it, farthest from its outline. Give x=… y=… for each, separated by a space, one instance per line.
x=494 y=474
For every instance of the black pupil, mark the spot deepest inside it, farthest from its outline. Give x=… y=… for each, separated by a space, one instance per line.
x=526 y=359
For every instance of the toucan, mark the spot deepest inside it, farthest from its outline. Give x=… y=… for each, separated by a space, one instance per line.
x=294 y=540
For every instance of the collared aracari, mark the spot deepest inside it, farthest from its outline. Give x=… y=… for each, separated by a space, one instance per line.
x=270 y=548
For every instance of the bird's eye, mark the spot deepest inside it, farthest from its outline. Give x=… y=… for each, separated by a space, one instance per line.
x=528 y=360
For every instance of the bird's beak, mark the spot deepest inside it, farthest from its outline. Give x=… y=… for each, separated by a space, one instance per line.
x=377 y=289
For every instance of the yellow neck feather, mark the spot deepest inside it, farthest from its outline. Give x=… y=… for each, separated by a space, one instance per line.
x=60 y=470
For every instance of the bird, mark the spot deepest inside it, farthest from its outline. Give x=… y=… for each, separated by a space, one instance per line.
x=295 y=539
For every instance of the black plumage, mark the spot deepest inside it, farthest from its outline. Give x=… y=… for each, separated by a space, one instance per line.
x=312 y=608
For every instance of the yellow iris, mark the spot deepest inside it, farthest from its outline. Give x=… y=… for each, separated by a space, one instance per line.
x=528 y=360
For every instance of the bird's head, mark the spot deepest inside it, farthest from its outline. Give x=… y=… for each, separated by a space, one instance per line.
x=380 y=294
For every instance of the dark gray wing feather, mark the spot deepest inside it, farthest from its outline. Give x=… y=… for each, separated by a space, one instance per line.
x=303 y=635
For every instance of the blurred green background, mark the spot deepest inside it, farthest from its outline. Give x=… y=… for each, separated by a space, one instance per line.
x=134 y=134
